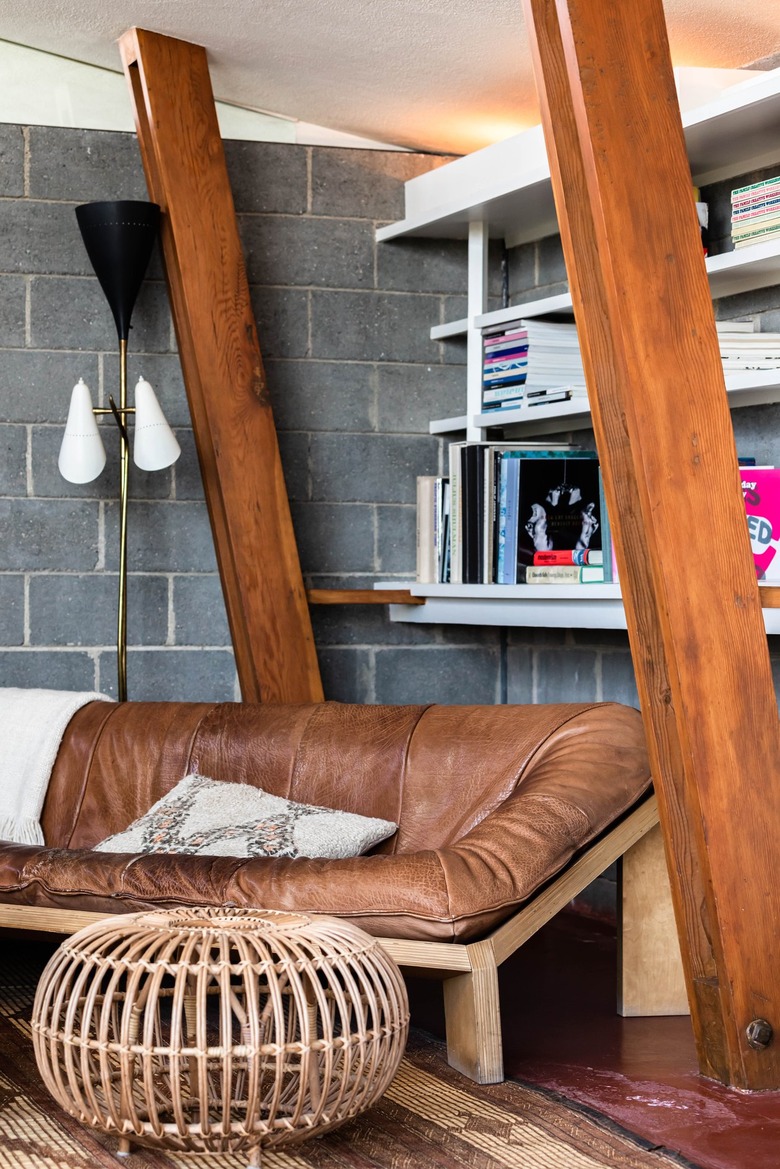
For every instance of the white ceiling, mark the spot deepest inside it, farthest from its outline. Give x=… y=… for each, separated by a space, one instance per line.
x=447 y=75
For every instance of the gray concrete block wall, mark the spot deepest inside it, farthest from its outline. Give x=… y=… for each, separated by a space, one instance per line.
x=354 y=378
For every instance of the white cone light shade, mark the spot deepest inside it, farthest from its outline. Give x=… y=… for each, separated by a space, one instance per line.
x=82 y=454
x=154 y=443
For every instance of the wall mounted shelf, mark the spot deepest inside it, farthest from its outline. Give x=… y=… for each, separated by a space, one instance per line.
x=729 y=273
x=508 y=184
x=592 y=606
x=504 y=191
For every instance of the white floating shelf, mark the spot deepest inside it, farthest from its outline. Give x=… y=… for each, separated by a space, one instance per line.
x=746 y=388
x=744 y=269
x=575 y=412
x=508 y=184
x=530 y=308
x=588 y=606
x=729 y=273
x=448 y=425
x=450 y=329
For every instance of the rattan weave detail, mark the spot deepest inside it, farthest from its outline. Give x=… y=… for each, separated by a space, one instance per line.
x=215 y=1031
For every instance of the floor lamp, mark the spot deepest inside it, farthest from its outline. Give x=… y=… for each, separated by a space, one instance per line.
x=119 y=237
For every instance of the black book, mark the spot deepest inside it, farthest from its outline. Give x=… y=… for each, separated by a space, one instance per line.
x=559 y=506
x=473 y=474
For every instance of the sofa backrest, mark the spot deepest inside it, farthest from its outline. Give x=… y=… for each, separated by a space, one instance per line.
x=436 y=770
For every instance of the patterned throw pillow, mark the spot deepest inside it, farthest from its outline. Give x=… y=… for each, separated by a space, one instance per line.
x=212 y=818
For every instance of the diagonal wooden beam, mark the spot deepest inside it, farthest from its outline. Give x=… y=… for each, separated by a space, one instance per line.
x=623 y=194
x=185 y=170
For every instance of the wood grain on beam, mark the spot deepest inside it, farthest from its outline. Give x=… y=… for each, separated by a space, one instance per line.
x=362 y=597
x=185 y=169
x=631 y=240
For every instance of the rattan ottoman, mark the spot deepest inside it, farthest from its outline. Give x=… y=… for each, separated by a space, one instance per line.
x=218 y=1031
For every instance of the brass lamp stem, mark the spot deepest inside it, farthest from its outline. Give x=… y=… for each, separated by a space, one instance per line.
x=124 y=468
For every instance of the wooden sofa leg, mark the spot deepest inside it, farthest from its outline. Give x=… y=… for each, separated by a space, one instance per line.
x=650 y=973
x=473 y=1018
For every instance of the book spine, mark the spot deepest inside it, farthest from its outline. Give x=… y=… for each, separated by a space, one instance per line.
x=558 y=574
x=436 y=528
x=426 y=565
x=505 y=341
x=444 y=560
x=751 y=211
x=515 y=379
x=606 y=531
x=501 y=393
x=765 y=184
x=472 y=479
x=756 y=234
x=501 y=474
x=578 y=556
x=507 y=404
x=491 y=359
x=509 y=329
x=455 y=515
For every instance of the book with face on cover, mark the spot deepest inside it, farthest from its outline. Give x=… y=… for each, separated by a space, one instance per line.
x=559 y=506
x=761 y=492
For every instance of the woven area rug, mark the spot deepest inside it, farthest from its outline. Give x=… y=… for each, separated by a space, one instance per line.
x=430 y=1116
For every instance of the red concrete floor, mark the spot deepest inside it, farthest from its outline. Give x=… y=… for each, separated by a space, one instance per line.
x=561 y=1032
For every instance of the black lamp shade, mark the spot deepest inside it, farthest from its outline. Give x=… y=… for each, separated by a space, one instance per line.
x=119 y=237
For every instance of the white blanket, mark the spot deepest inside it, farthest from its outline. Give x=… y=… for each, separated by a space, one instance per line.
x=32 y=723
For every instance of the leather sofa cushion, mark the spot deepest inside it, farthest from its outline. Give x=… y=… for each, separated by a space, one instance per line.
x=491 y=802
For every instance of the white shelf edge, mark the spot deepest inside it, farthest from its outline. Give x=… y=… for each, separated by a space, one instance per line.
x=728 y=273
x=744 y=269
x=496 y=592
x=450 y=329
x=530 y=308
x=745 y=388
x=449 y=425
x=586 y=606
x=574 y=408
x=451 y=216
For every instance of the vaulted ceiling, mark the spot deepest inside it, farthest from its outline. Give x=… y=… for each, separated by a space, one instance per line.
x=446 y=75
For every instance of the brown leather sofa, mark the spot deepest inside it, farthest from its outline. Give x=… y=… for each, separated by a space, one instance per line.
x=491 y=803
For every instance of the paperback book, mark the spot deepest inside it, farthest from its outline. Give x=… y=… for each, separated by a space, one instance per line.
x=761 y=492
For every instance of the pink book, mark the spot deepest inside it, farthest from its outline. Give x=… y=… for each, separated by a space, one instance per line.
x=761 y=491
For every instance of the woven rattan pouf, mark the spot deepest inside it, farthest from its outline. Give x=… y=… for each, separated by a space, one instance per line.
x=219 y=1031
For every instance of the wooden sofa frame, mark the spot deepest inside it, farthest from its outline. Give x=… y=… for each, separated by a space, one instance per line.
x=650 y=980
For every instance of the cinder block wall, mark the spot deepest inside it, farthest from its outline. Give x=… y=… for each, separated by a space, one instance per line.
x=354 y=378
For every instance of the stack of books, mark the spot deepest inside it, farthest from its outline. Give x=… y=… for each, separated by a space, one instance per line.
x=531 y=363
x=504 y=365
x=515 y=513
x=740 y=350
x=755 y=213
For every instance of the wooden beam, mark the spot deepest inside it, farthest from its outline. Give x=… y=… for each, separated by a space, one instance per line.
x=185 y=169
x=631 y=240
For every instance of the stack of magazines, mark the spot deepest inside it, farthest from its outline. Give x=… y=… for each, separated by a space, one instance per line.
x=531 y=363
x=755 y=213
